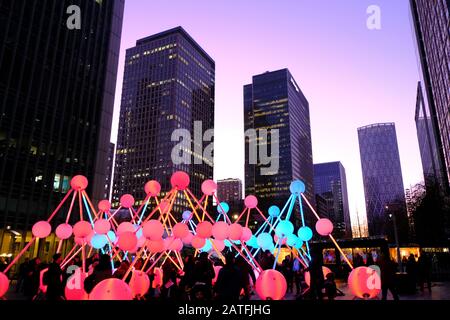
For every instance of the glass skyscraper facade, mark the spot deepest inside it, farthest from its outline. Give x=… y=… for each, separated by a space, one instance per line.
x=57 y=91
x=382 y=178
x=275 y=101
x=330 y=183
x=168 y=84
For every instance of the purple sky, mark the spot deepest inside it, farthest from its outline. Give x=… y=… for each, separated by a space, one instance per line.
x=352 y=76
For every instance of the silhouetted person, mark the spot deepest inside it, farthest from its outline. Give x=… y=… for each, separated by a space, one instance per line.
x=388 y=269
x=411 y=270
x=358 y=261
x=31 y=281
x=22 y=273
x=297 y=269
x=424 y=266
x=246 y=274
x=286 y=270
x=229 y=281
x=330 y=286
x=101 y=272
x=169 y=289
x=370 y=260
x=122 y=270
x=316 y=275
x=204 y=274
x=267 y=260
x=53 y=279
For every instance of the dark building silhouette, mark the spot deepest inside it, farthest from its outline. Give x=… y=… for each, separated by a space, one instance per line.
x=330 y=182
x=229 y=190
x=109 y=170
x=168 y=85
x=383 y=182
x=56 y=103
x=275 y=101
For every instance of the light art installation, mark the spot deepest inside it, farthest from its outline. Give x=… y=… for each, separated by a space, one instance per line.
x=154 y=234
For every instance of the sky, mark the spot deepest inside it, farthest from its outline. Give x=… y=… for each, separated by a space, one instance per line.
x=351 y=76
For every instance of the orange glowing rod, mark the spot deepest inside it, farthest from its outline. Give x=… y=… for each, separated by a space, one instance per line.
x=71 y=206
x=192 y=206
x=206 y=213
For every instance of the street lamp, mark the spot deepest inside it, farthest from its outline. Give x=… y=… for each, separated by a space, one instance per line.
x=394 y=221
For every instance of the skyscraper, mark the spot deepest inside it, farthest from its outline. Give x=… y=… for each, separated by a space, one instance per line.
x=168 y=85
x=229 y=190
x=56 y=100
x=274 y=101
x=109 y=170
x=383 y=182
x=330 y=183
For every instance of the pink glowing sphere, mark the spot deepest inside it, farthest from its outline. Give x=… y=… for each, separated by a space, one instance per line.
x=364 y=283
x=139 y=283
x=235 y=231
x=127 y=201
x=198 y=242
x=164 y=206
x=175 y=245
x=104 y=205
x=251 y=202
x=283 y=240
x=155 y=246
x=209 y=187
x=79 y=183
x=125 y=227
x=180 y=180
x=325 y=271
x=152 y=188
x=188 y=239
x=180 y=230
x=80 y=241
x=64 y=231
x=82 y=229
x=158 y=280
x=220 y=230
x=127 y=241
x=271 y=285
x=216 y=272
x=141 y=242
x=102 y=226
x=74 y=289
x=246 y=234
x=111 y=289
x=153 y=230
x=219 y=245
x=4 y=284
x=204 y=229
x=41 y=229
x=324 y=227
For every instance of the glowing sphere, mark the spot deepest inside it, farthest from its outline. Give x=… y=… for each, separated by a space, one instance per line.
x=156 y=246
x=220 y=230
x=104 y=205
x=251 y=202
x=291 y=240
x=364 y=283
x=112 y=236
x=41 y=229
x=252 y=242
x=297 y=187
x=188 y=238
x=4 y=284
x=235 y=231
x=246 y=234
x=64 y=231
x=102 y=226
x=175 y=245
x=153 y=230
x=98 y=241
x=204 y=229
x=152 y=188
x=82 y=229
x=187 y=215
x=80 y=241
x=180 y=180
x=298 y=244
x=264 y=240
x=139 y=283
x=79 y=183
x=305 y=233
x=223 y=207
x=127 y=201
x=111 y=289
x=164 y=206
x=216 y=272
x=271 y=284
x=180 y=230
x=141 y=242
x=198 y=242
x=207 y=247
x=127 y=241
x=219 y=245
x=124 y=227
x=324 y=227
x=282 y=240
x=274 y=211
x=284 y=228
x=209 y=187
x=74 y=289
x=325 y=271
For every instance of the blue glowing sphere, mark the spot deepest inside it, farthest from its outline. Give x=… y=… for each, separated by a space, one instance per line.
x=112 y=236
x=297 y=186
x=264 y=240
x=291 y=240
x=227 y=243
x=284 y=228
x=305 y=233
x=274 y=211
x=298 y=243
x=187 y=215
x=224 y=206
x=207 y=247
x=98 y=241
x=252 y=242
